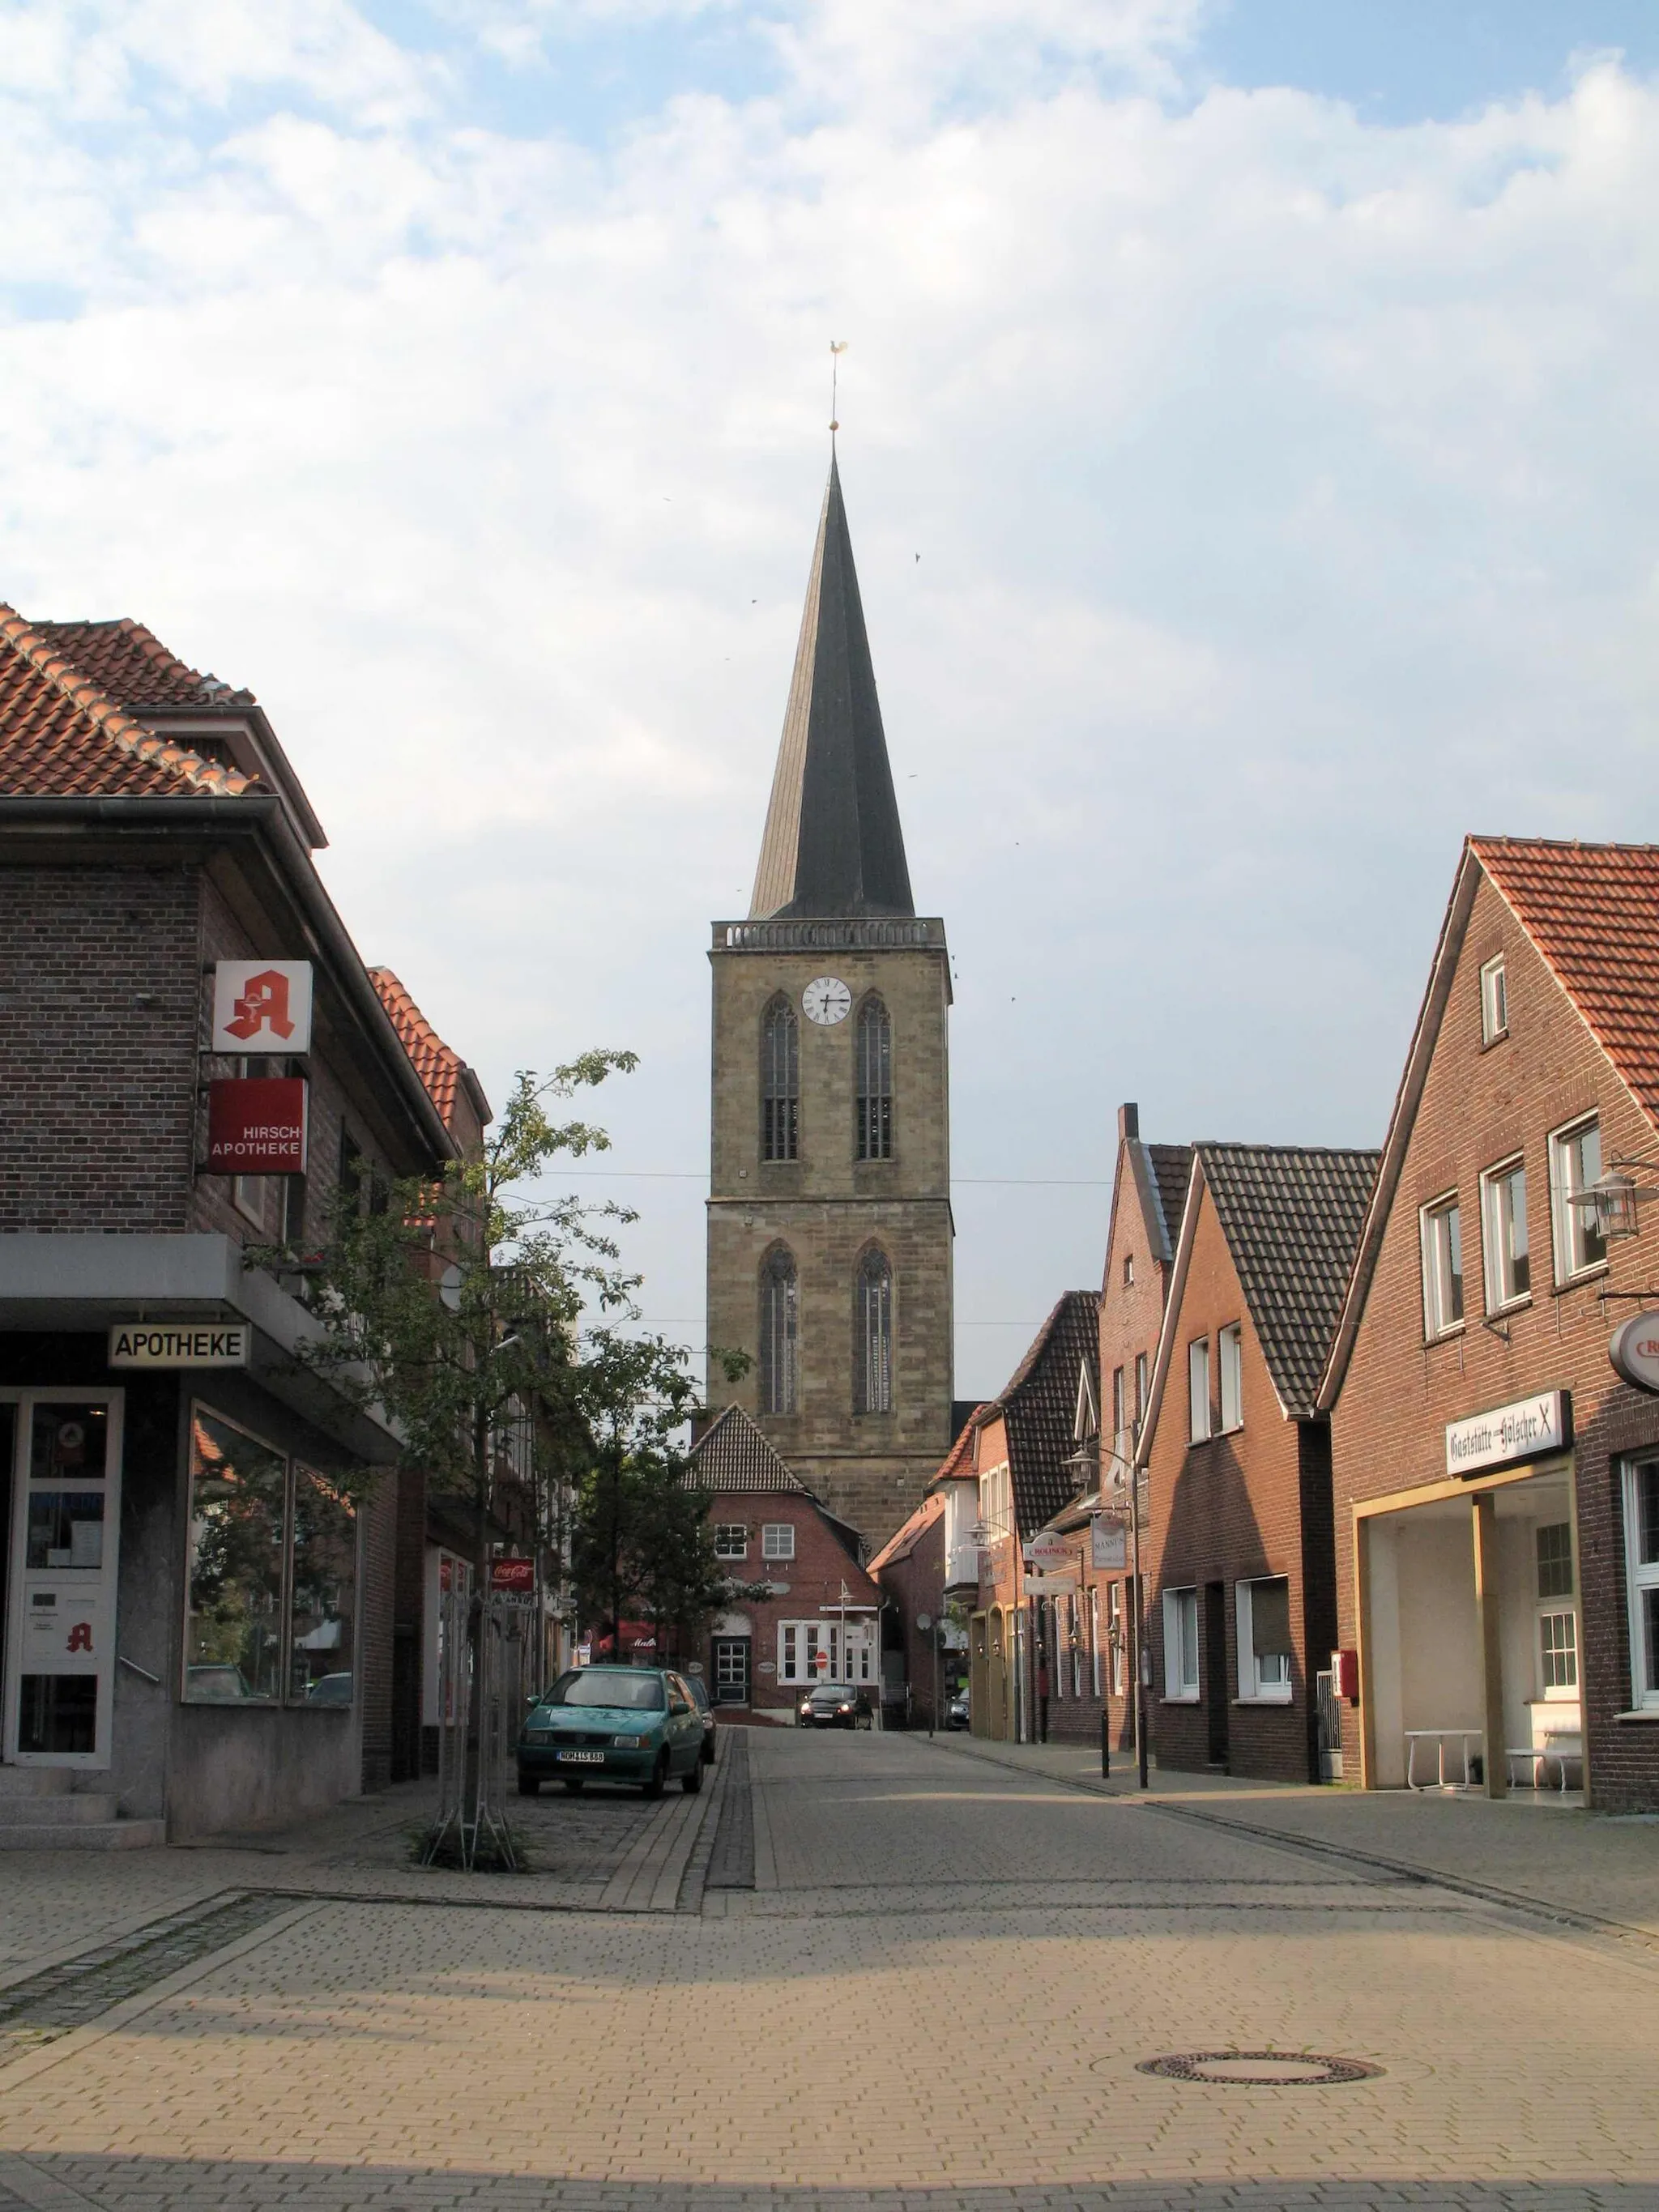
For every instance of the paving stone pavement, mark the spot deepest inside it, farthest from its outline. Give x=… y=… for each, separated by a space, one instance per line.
x=935 y=1999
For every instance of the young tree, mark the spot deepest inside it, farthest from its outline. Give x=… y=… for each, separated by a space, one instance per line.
x=456 y=1306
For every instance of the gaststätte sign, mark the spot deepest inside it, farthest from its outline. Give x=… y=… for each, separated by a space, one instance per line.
x=1634 y=1353
x=1510 y=1436
x=256 y=1125
x=179 y=1344
x=261 y=1006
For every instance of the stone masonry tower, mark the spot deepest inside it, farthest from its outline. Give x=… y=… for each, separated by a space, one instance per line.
x=829 y=1228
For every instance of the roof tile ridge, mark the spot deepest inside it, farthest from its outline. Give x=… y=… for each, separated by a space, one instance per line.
x=112 y=721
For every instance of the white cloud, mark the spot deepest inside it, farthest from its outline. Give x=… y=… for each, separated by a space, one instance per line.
x=1282 y=489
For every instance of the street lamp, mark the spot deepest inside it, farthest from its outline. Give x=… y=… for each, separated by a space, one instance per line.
x=1126 y=1477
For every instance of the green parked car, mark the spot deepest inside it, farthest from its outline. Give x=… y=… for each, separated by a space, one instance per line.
x=638 y=1724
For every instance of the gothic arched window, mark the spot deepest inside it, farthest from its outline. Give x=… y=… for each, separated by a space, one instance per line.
x=875 y=1082
x=780 y=1334
x=874 y=1361
x=779 y=1082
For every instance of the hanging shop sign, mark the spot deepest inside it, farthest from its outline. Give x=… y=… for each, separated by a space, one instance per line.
x=1049 y=1553
x=1634 y=1353
x=515 y=1577
x=1510 y=1436
x=261 y=1006
x=1108 y=1541
x=1048 y=1585
x=256 y=1125
x=186 y=1343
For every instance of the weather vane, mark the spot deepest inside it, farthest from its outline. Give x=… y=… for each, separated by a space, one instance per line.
x=837 y=347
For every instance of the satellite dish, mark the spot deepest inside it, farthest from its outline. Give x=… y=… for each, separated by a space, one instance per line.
x=924 y=1622
x=449 y=1287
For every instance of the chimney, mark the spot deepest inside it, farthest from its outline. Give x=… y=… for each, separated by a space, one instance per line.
x=1129 y=1121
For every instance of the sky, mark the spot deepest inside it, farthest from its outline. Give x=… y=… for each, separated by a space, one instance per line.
x=1248 y=440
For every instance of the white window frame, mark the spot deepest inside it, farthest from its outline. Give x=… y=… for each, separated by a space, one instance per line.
x=1252 y=1690
x=1492 y=1239
x=1180 y=1616
x=1198 y=1390
x=1438 y=1320
x=1494 y=999
x=1569 y=1222
x=1117 y=1643
x=777 y=1539
x=1229 y=1346
x=724 y=1532
x=1638 y=1579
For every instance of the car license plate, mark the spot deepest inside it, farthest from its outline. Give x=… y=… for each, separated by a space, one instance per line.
x=581 y=1758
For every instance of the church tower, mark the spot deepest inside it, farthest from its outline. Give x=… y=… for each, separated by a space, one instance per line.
x=829 y=1228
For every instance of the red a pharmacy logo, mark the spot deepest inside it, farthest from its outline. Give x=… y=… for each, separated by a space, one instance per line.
x=263 y=1005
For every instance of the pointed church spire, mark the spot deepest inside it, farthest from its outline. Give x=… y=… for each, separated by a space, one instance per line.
x=833 y=845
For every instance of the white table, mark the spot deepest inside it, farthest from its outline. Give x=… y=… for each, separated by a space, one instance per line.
x=1440 y=1737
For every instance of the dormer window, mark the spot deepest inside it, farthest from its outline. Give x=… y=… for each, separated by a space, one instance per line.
x=1494 y=1001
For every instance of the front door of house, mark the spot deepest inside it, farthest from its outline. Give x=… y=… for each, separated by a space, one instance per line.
x=56 y=1699
x=731 y=1670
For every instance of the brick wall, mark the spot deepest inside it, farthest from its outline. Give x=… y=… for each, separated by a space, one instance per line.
x=915 y=1584
x=1226 y=1510
x=813 y=1578
x=99 y=984
x=1389 y=1426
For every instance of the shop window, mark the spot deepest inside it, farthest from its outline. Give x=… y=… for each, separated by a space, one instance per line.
x=261 y=1528
x=1641 y=1576
x=322 y=1612
x=1231 y=1346
x=1442 y=1267
x=730 y=1540
x=1494 y=1001
x=1264 y=1640
x=1503 y=1232
x=1198 y=1389
x=1181 y=1646
x=1575 y=1171
x=777 y=1540
x=1554 y=1546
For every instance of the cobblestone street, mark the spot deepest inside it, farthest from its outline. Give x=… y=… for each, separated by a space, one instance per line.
x=939 y=1992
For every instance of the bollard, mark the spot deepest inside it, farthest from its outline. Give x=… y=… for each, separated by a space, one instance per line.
x=1105 y=1740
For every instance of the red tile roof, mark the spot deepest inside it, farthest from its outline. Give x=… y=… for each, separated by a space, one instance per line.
x=1593 y=912
x=64 y=736
x=132 y=665
x=439 y=1068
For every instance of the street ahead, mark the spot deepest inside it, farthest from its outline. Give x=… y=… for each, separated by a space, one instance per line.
x=938 y=1991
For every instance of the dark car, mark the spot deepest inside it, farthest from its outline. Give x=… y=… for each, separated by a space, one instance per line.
x=833 y=1704
x=956 y=1715
x=699 y=1690
x=613 y=1724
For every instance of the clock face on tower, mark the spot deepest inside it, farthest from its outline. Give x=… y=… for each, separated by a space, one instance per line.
x=826 y=1000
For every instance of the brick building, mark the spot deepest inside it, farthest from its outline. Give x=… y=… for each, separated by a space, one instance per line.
x=198 y=1623
x=1497 y=1485
x=803 y=1609
x=1026 y=1464
x=1240 y=1565
x=1149 y=1196
x=928 y=1570
x=829 y=1228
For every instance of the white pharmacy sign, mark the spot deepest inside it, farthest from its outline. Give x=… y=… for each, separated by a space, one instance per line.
x=261 y=1006
x=1531 y=1428
x=187 y=1344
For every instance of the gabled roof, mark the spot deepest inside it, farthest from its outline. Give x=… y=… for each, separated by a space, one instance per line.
x=445 y=1075
x=64 y=736
x=1172 y=1171
x=1039 y=1404
x=1592 y=911
x=1292 y=1216
x=731 y=1454
x=903 y=1540
x=832 y=845
x=131 y=665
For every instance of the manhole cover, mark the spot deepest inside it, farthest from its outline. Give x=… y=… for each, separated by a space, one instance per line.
x=1288 y=2069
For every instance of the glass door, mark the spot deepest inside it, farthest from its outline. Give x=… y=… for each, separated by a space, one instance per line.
x=61 y=1574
